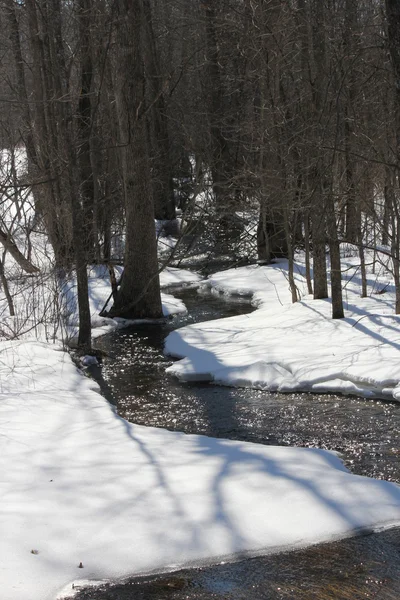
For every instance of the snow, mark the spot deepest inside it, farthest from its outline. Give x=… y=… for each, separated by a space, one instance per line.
x=178 y=278
x=47 y=307
x=295 y=347
x=81 y=485
x=100 y=291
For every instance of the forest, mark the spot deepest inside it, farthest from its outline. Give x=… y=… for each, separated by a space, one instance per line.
x=199 y=299
x=133 y=110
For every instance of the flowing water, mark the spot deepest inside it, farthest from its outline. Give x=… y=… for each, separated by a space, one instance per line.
x=365 y=432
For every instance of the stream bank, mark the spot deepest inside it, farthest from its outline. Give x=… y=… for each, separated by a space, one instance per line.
x=366 y=433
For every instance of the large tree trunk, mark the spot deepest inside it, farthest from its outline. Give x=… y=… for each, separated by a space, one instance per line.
x=55 y=213
x=21 y=90
x=57 y=145
x=85 y=127
x=318 y=172
x=350 y=43
x=162 y=182
x=221 y=161
x=68 y=179
x=393 y=19
x=139 y=293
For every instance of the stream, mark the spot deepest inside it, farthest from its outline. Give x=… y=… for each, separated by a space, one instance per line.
x=365 y=432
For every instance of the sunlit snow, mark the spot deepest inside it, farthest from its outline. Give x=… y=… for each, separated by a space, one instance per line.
x=81 y=485
x=287 y=347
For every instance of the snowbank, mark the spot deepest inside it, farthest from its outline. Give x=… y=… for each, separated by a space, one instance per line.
x=100 y=290
x=294 y=347
x=179 y=278
x=47 y=308
x=81 y=485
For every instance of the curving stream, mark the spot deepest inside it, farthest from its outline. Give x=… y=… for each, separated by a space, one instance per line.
x=367 y=433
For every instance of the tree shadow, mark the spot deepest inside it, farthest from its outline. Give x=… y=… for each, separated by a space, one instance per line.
x=256 y=469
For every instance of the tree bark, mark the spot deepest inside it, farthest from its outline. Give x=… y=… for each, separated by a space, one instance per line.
x=307 y=252
x=139 y=293
x=393 y=20
x=318 y=172
x=49 y=202
x=289 y=238
x=353 y=214
x=61 y=112
x=22 y=94
x=221 y=161
x=162 y=182
x=4 y=283
x=334 y=251
x=363 y=269
x=19 y=258
x=85 y=126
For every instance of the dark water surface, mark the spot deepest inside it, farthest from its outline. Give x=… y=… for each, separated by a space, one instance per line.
x=367 y=433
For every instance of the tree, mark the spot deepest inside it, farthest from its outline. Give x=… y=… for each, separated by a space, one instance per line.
x=139 y=293
x=393 y=21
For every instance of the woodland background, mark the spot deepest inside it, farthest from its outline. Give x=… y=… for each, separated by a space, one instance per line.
x=132 y=110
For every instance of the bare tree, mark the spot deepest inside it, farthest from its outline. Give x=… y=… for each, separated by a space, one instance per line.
x=139 y=293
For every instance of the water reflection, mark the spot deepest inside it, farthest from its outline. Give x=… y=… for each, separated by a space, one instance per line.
x=365 y=432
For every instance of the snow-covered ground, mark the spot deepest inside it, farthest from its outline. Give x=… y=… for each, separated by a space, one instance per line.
x=287 y=347
x=86 y=495
x=100 y=291
x=81 y=485
x=46 y=307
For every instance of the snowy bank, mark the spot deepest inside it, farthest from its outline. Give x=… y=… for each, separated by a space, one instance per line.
x=100 y=291
x=81 y=485
x=47 y=308
x=179 y=278
x=100 y=288
x=294 y=347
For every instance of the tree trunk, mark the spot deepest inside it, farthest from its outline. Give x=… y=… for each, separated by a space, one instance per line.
x=263 y=245
x=334 y=251
x=162 y=182
x=396 y=257
x=49 y=202
x=4 y=283
x=318 y=172
x=22 y=94
x=62 y=142
x=353 y=214
x=388 y=200
x=19 y=258
x=319 y=250
x=393 y=19
x=221 y=162
x=307 y=251
x=361 y=254
x=85 y=126
x=139 y=293
x=289 y=237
